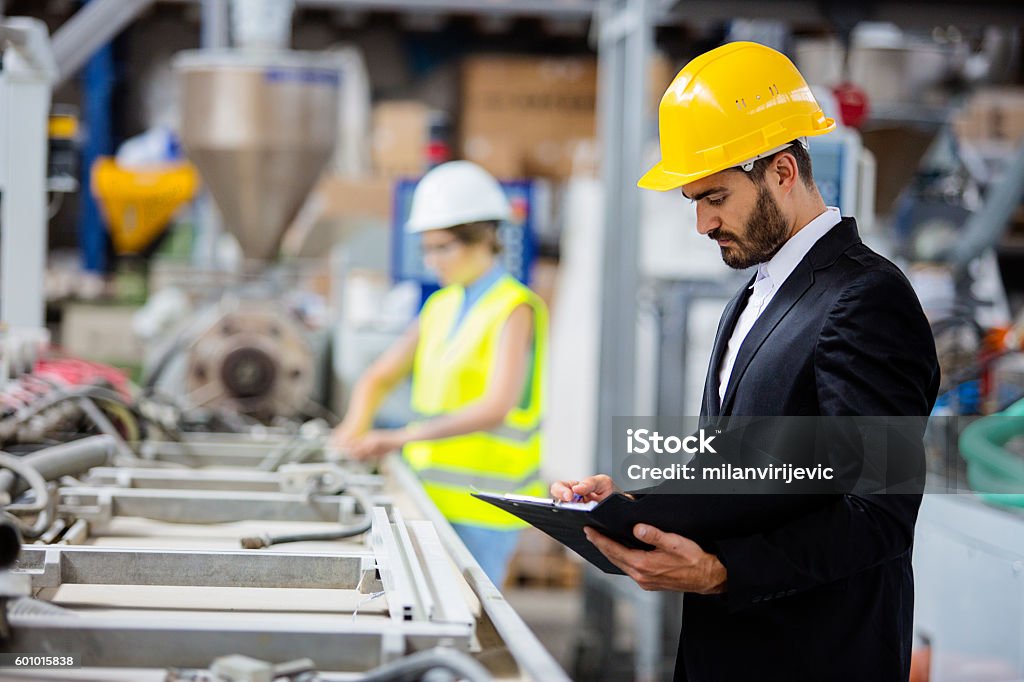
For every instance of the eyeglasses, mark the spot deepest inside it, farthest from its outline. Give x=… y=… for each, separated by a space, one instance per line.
x=442 y=249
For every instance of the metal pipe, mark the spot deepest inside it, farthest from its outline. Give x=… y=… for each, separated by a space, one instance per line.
x=60 y=395
x=418 y=665
x=214 y=26
x=77 y=534
x=53 y=532
x=91 y=27
x=30 y=478
x=106 y=427
x=563 y=9
x=27 y=606
x=66 y=459
x=985 y=227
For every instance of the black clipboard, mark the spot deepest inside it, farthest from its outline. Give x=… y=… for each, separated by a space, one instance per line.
x=565 y=522
x=705 y=519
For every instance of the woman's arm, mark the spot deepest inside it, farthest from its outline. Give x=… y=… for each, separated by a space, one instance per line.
x=374 y=385
x=505 y=385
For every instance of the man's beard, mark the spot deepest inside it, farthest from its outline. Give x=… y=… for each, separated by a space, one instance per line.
x=766 y=232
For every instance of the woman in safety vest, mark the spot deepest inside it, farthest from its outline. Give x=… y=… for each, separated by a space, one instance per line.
x=477 y=354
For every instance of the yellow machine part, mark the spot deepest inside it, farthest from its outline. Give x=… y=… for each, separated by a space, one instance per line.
x=138 y=203
x=63 y=126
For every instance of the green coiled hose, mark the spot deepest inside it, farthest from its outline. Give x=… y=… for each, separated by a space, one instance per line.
x=994 y=472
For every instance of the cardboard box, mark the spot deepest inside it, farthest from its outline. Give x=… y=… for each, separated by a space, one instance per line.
x=401 y=132
x=501 y=155
x=530 y=116
x=993 y=114
x=102 y=333
x=336 y=207
x=368 y=197
x=898 y=151
x=524 y=115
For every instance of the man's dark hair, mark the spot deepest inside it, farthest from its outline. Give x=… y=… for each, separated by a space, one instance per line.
x=475 y=233
x=803 y=165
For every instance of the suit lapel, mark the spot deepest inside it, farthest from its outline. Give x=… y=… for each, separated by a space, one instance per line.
x=822 y=255
x=792 y=289
x=725 y=327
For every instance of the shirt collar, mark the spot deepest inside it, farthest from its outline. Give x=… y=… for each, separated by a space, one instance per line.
x=477 y=287
x=782 y=264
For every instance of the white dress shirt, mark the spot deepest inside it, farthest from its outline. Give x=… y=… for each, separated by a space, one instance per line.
x=770 y=277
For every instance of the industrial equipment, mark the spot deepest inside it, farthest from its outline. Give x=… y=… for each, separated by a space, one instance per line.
x=259 y=125
x=141 y=571
x=137 y=204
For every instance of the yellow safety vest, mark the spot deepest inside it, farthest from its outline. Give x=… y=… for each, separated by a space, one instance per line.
x=451 y=371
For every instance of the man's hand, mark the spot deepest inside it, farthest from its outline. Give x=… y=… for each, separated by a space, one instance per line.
x=676 y=563
x=591 y=489
x=377 y=443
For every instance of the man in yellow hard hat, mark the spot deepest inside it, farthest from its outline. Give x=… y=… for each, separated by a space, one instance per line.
x=824 y=328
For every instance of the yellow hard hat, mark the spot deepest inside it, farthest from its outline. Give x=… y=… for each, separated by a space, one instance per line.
x=727 y=107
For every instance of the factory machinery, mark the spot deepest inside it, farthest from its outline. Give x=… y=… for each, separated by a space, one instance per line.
x=200 y=529
x=259 y=126
x=240 y=557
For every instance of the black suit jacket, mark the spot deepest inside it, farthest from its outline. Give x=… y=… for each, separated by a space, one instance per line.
x=828 y=593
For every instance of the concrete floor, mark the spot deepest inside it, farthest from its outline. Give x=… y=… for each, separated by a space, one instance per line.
x=553 y=615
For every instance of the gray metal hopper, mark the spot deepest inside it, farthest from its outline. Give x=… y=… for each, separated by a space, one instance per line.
x=260 y=128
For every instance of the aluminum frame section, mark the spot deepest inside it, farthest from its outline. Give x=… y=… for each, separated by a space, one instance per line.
x=556 y=9
x=99 y=505
x=89 y=29
x=424 y=595
x=142 y=642
x=624 y=35
x=904 y=13
x=54 y=566
x=188 y=641
x=220 y=452
x=404 y=603
x=624 y=45
x=415 y=573
x=188 y=479
x=530 y=655
x=26 y=82
x=438 y=576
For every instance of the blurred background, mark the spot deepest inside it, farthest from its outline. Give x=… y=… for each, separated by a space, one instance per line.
x=229 y=250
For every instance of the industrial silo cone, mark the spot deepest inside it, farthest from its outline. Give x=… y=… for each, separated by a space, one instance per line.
x=260 y=127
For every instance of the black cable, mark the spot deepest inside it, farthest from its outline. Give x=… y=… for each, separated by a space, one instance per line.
x=358 y=528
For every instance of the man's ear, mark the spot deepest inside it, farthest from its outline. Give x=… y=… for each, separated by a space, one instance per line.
x=784 y=172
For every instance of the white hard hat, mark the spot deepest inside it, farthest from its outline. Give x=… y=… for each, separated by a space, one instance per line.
x=456 y=193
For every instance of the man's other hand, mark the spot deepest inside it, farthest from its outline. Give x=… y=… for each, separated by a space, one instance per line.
x=675 y=564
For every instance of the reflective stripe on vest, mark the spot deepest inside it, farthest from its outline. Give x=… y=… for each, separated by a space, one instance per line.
x=503 y=431
x=451 y=371
x=478 y=481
